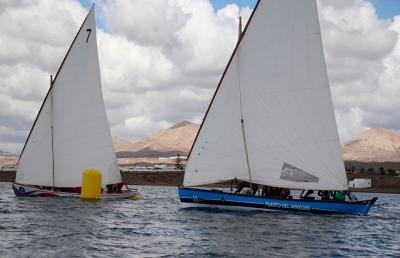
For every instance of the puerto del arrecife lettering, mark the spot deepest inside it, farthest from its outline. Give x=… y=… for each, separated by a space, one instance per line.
x=287 y=206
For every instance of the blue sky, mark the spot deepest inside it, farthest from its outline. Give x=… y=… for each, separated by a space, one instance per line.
x=386 y=9
x=218 y=4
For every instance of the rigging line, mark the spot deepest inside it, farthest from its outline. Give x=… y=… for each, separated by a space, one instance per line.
x=241 y=118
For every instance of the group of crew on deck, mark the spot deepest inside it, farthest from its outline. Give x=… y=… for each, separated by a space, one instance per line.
x=246 y=188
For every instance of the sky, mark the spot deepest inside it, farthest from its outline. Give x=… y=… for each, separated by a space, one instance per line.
x=160 y=61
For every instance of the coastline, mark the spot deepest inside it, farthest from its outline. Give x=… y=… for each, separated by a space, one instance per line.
x=380 y=184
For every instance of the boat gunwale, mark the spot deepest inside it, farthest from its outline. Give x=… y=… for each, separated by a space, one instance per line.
x=255 y=206
x=368 y=201
x=63 y=194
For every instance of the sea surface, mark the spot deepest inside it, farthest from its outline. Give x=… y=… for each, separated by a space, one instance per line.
x=156 y=226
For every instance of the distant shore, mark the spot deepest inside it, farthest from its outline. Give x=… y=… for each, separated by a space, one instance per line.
x=160 y=178
x=380 y=184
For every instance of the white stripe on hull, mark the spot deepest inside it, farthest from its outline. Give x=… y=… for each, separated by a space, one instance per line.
x=186 y=205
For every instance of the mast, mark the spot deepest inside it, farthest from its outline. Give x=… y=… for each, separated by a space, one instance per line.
x=240 y=31
x=241 y=103
x=223 y=76
x=51 y=125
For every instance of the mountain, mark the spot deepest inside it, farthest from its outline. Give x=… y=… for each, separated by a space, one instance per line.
x=121 y=144
x=373 y=145
x=169 y=142
x=7 y=154
x=8 y=158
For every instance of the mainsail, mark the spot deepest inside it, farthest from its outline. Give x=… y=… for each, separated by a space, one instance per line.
x=71 y=132
x=271 y=120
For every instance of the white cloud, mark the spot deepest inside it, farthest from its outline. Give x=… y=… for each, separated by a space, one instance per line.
x=360 y=50
x=34 y=36
x=161 y=61
x=166 y=68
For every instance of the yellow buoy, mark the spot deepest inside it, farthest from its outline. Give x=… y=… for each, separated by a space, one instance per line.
x=91 y=184
x=135 y=197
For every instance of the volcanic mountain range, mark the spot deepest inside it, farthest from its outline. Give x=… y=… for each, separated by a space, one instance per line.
x=166 y=143
x=373 y=145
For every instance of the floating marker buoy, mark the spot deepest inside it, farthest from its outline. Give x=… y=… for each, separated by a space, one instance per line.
x=135 y=197
x=91 y=184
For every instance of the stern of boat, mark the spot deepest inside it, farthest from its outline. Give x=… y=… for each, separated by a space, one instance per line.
x=28 y=191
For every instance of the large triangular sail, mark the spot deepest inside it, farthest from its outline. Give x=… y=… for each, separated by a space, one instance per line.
x=71 y=132
x=274 y=104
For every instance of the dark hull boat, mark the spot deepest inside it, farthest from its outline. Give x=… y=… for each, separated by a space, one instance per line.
x=215 y=198
x=71 y=133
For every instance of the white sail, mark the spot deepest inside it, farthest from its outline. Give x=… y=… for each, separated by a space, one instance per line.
x=35 y=166
x=219 y=153
x=289 y=124
x=81 y=135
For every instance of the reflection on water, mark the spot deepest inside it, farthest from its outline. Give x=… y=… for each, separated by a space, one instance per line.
x=156 y=225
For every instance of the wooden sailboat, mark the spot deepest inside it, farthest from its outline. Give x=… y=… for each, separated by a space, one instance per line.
x=271 y=119
x=71 y=132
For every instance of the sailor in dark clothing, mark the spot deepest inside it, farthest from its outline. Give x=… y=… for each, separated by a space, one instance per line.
x=285 y=193
x=241 y=185
x=109 y=188
x=254 y=188
x=325 y=195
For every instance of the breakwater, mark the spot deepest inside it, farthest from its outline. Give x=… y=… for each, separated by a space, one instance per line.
x=161 y=178
x=379 y=183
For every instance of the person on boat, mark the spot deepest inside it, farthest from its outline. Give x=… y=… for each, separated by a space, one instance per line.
x=340 y=196
x=118 y=187
x=254 y=188
x=241 y=186
x=285 y=193
x=115 y=188
x=325 y=195
x=246 y=191
x=266 y=191
x=276 y=192
x=307 y=195
x=351 y=196
x=109 y=188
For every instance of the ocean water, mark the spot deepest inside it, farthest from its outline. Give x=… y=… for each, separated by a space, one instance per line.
x=156 y=226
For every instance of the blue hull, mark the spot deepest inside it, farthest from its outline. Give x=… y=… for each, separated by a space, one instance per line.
x=210 y=197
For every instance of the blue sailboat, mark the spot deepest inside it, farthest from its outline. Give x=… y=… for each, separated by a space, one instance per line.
x=271 y=120
x=215 y=198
